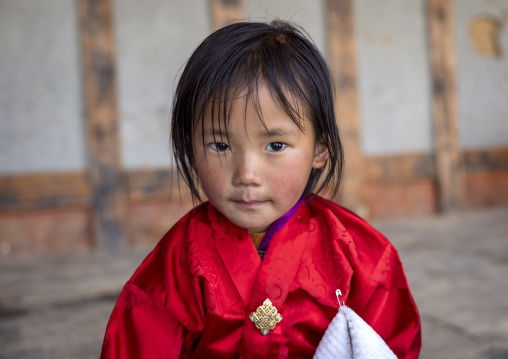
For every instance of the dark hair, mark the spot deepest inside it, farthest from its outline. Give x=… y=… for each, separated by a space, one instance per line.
x=240 y=57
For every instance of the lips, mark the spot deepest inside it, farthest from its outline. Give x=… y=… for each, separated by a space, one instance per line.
x=251 y=205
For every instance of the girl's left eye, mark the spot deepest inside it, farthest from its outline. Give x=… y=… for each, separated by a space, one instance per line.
x=275 y=146
x=219 y=146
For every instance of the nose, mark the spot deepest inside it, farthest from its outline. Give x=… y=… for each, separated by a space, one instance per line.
x=247 y=171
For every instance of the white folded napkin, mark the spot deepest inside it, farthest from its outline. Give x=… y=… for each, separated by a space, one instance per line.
x=349 y=337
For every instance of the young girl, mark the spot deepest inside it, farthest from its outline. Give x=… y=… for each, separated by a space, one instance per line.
x=253 y=272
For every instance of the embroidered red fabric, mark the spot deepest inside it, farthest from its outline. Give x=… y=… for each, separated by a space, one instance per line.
x=192 y=296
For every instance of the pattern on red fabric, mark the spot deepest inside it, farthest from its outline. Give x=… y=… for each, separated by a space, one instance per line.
x=194 y=293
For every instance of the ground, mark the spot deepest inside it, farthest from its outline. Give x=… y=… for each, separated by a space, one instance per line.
x=58 y=307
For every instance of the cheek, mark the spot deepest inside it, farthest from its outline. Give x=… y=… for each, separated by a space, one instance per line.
x=287 y=186
x=289 y=181
x=210 y=178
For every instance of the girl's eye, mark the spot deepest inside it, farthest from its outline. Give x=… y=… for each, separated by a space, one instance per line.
x=219 y=146
x=275 y=146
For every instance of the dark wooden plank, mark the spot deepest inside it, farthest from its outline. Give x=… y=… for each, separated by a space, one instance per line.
x=485 y=160
x=407 y=166
x=156 y=184
x=342 y=59
x=443 y=68
x=74 y=189
x=98 y=53
x=44 y=190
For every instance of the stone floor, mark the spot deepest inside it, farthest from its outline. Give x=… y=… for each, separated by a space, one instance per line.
x=457 y=267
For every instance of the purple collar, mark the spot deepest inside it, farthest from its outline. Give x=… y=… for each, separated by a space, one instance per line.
x=277 y=225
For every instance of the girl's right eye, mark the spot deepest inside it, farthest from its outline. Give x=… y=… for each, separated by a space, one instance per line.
x=219 y=146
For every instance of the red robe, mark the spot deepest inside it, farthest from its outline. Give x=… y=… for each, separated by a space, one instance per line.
x=192 y=296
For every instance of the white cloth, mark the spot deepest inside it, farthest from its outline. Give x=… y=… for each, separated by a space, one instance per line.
x=349 y=337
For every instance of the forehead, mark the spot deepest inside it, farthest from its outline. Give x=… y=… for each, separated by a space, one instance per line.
x=253 y=109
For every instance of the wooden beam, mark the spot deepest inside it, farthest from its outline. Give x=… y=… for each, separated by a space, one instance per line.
x=98 y=53
x=400 y=167
x=342 y=59
x=443 y=68
x=225 y=12
x=487 y=160
x=44 y=190
x=157 y=184
x=73 y=189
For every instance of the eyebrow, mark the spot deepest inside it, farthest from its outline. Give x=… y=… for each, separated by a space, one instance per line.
x=273 y=132
x=279 y=131
x=214 y=132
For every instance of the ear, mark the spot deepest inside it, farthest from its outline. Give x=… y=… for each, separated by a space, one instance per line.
x=321 y=155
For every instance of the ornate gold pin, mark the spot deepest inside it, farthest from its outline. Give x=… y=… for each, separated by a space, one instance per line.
x=266 y=317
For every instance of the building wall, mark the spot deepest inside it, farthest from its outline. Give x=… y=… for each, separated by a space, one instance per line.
x=482 y=79
x=154 y=39
x=45 y=173
x=307 y=14
x=41 y=98
x=41 y=109
x=394 y=78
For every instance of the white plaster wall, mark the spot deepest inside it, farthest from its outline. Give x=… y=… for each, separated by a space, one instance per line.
x=482 y=81
x=308 y=14
x=41 y=122
x=154 y=39
x=393 y=73
x=41 y=119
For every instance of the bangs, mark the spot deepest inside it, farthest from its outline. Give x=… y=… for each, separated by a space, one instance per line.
x=240 y=78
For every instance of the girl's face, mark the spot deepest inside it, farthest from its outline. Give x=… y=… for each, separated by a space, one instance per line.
x=255 y=174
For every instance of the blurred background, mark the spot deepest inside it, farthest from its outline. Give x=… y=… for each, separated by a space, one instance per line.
x=87 y=185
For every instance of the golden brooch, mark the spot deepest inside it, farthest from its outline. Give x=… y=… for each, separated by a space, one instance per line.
x=266 y=317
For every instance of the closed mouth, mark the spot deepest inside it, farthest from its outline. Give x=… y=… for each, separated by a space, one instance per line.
x=249 y=204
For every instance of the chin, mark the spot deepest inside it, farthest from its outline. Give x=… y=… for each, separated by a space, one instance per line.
x=252 y=227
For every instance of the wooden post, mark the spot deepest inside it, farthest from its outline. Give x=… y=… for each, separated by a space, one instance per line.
x=446 y=142
x=98 y=53
x=225 y=12
x=342 y=59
